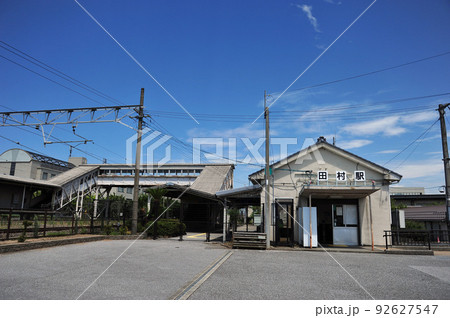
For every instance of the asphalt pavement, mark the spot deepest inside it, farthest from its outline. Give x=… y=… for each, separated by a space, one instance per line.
x=162 y=268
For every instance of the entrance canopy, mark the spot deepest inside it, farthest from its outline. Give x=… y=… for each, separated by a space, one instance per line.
x=244 y=196
x=338 y=192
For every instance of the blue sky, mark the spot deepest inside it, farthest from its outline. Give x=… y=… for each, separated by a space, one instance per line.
x=218 y=57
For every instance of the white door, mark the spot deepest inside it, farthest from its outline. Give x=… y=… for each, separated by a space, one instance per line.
x=307 y=227
x=345 y=224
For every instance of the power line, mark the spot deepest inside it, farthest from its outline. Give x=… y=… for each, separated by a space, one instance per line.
x=18 y=143
x=135 y=60
x=162 y=113
x=51 y=80
x=59 y=140
x=392 y=101
x=58 y=73
x=310 y=115
x=55 y=138
x=372 y=72
x=415 y=148
x=411 y=143
x=189 y=147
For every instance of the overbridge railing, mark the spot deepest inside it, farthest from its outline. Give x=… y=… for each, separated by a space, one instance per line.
x=427 y=238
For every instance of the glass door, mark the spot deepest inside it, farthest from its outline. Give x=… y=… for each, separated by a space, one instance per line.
x=284 y=222
x=345 y=224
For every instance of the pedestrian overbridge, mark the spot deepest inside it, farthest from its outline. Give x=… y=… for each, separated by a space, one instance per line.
x=74 y=184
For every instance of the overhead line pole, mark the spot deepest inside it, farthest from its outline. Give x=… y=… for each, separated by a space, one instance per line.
x=446 y=159
x=137 y=167
x=267 y=208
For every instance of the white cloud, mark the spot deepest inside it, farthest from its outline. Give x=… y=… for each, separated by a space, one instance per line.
x=308 y=11
x=420 y=117
x=422 y=169
x=352 y=144
x=388 y=151
x=388 y=126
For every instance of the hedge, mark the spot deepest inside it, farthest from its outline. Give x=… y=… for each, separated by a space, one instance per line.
x=166 y=227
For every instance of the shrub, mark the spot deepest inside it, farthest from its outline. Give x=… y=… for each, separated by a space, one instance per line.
x=123 y=230
x=23 y=237
x=141 y=228
x=414 y=225
x=167 y=227
x=107 y=229
x=36 y=227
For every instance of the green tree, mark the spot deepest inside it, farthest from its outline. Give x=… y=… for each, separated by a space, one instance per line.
x=157 y=194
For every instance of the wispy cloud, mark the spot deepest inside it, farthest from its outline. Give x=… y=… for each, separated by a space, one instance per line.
x=421 y=169
x=421 y=117
x=388 y=126
x=308 y=11
x=388 y=151
x=352 y=144
x=333 y=2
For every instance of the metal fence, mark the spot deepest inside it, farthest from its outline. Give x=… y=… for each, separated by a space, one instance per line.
x=426 y=238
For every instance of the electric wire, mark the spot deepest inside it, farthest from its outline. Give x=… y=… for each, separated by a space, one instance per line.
x=316 y=112
x=309 y=116
x=187 y=146
x=411 y=143
x=51 y=80
x=58 y=73
x=372 y=72
x=415 y=148
x=20 y=144
x=59 y=140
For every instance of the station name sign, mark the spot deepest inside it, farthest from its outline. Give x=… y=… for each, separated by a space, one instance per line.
x=359 y=175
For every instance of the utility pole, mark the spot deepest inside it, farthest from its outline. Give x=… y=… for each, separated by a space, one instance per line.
x=137 y=167
x=267 y=176
x=446 y=159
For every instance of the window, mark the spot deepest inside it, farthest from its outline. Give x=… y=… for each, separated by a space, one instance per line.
x=12 y=170
x=129 y=190
x=345 y=215
x=52 y=175
x=120 y=189
x=44 y=175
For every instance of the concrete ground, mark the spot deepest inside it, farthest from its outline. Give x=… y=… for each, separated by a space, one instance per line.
x=159 y=269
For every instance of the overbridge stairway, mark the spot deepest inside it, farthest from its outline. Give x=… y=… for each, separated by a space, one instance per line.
x=74 y=184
